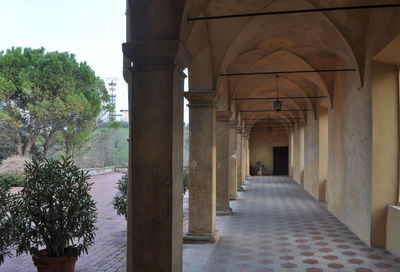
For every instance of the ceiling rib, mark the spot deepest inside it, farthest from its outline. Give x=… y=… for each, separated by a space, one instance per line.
x=249 y=111
x=283 y=98
x=288 y=72
x=291 y=12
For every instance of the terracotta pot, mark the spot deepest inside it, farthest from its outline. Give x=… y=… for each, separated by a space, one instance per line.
x=59 y=264
x=259 y=173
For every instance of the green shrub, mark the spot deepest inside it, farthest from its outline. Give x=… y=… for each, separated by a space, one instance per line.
x=120 y=200
x=260 y=166
x=12 y=180
x=6 y=227
x=185 y=179
x=54 y=210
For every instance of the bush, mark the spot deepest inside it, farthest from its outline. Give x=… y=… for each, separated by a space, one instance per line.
x=12 y=180
x=13 y=165
x=54 y=210
x=185 y=179
x=120 y=200
x=6 y=227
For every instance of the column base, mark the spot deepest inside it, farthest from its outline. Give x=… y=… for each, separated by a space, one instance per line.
x=241 y=189
x=201 y=238
x=233 y=198
x=225 y=211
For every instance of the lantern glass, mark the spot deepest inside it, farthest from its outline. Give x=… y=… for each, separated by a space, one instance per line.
x=278 y=105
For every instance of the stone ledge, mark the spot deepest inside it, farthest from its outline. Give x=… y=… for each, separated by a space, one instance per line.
x=201 y=238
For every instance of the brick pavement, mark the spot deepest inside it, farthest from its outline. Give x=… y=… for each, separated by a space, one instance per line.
x=109 y=251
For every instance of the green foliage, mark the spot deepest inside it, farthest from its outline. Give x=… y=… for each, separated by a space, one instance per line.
x=6 y=227
x=185 y=179
x=12 y=180
x=259 y=166
x=120 y=200
x=48 y=97
x=54 y=209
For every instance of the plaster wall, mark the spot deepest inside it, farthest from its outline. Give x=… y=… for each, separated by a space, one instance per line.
x=311 y=156
x=291 y=153
x=384 y=92
x=392 y=229
x=349 y=172
x=296 y=154
x=323 y=152
x=261 y=147
x=301 y=154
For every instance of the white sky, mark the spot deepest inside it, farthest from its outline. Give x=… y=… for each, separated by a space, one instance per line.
x=93 y=30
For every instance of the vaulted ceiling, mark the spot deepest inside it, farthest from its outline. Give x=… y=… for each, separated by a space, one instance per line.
x=312 y=41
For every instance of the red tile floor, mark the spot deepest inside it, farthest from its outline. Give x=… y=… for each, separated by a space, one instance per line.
x=277 y=226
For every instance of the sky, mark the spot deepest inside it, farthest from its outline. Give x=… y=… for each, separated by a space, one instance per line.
x=93 y=30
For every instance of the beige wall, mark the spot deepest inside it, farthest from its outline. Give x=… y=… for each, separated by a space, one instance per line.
x=323 y=152
x=311 y=155
x=349 y=171
x=296 y=154
x=392 y=228
x=385 y=137
x=261 y=147
x=291 y=153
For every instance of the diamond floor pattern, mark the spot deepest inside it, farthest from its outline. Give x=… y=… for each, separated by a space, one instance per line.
x=277 y=226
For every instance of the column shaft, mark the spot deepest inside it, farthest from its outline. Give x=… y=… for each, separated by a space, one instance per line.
x=239 y=158
x=222 y=179
x=155 y=157
x=232 y=161
x=202 y=167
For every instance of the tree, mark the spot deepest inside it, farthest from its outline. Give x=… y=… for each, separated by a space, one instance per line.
x=48 y=98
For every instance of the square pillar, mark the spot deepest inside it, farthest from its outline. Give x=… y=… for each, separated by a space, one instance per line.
x=244 y=157
x=202 y=167
x=223 y=163
x=248 y=155
x=154 y=241
x=232 y=160
x=239 y=159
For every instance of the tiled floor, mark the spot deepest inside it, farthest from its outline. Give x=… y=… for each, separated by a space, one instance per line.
x=278 y=227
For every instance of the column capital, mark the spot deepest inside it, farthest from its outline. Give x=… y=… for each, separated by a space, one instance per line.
x=153 y=53
x=233 y=123
x=239 y=129
x=223 y=115
x=201 y=98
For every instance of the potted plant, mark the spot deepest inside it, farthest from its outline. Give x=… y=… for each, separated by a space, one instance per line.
x=6 y=227
x=260 y=168
x=120 y=200
x=54 y=214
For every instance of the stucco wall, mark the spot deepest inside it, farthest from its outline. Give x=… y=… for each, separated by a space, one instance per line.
x=311 y=155
x=261 y=147
x=296 y=154
x=323 y=151
x=349 y=173
x=385 y=137
x=393 y=227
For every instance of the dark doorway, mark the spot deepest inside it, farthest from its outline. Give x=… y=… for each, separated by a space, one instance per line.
x=281 y=161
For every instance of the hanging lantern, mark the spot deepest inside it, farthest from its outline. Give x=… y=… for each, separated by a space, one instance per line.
x=277 y=103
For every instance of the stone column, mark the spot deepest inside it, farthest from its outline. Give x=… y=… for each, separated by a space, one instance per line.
x=222 y=180
x=239 y=157
x=202 y=170
x=232 y=160
x=244 y=157
x=248 y=155
x=154 y=240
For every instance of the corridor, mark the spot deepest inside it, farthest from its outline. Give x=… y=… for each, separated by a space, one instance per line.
x=277 y=226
